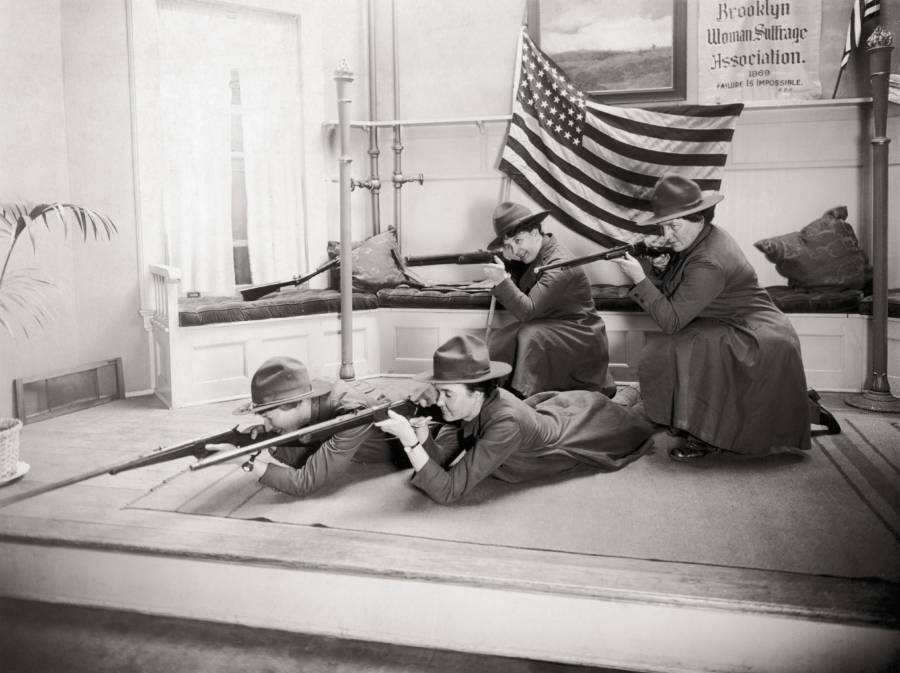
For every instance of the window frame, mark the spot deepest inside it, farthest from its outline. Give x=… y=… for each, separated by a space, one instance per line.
x=676 y=92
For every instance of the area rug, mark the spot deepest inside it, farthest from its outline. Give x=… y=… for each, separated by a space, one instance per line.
x=834 y=510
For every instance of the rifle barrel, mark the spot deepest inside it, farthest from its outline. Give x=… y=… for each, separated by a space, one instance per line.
x=638 y=249
x=194 y=447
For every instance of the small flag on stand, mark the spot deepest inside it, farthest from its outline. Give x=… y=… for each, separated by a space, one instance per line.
x=594 y=166
x=860 y=12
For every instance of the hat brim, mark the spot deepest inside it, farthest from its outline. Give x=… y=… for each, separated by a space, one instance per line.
x=705 y=202
x=498 y=370
x=318 y=389
x=534 y=218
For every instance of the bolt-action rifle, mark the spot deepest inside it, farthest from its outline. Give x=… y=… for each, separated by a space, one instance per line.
x=639 y=249
x=247 y=441
x=193 y=447
x=255 y=292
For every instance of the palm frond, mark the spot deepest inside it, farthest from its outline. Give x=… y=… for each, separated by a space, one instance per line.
x=24 y=300
x=23 y=293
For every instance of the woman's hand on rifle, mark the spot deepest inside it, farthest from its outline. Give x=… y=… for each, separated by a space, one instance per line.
x=495 y=272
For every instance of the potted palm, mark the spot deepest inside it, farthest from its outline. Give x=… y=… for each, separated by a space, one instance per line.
x=24 y=292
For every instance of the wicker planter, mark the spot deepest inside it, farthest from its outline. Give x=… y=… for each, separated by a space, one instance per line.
x=9 y=447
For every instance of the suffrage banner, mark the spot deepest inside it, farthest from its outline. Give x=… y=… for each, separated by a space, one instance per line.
x=758 y=50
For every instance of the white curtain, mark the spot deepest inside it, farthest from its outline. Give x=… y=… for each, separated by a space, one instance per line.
x=201 y=44
x=273 y=152
x=195 y=108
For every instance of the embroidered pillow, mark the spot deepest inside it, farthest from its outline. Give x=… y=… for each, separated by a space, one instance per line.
x=376 y=263
x=824 y=254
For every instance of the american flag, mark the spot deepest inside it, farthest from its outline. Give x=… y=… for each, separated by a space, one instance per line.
x=594 y=166
x=861 y=11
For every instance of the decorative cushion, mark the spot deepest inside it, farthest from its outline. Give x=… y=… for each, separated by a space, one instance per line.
x=376 y=263
x=824 y=254
x=793 y=300
x=283 y=304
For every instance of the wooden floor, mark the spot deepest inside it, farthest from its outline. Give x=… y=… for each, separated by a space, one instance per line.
x=79 y=545
x=41 y=637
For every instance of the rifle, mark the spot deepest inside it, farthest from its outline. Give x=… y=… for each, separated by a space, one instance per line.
x=477 y=257
x=639 y=249
x=194 y=447
x=310 y=433
x=255 y=292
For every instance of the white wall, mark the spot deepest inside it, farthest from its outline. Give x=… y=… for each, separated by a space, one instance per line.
x=66 y=136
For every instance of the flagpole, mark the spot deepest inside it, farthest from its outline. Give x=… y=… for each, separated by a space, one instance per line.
x=878 y=396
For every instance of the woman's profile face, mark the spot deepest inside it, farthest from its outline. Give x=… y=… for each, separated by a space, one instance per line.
x=288 y=417
x=457 y=402
x=680 y=233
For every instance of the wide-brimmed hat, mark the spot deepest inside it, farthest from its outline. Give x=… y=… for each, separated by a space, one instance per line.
x=675 y=196
x=281 y=380
x=509 y=216
x=464 y=359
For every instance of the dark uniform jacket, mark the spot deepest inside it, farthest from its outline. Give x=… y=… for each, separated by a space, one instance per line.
x=309 y=467
x=518 y=440
x=559 y=340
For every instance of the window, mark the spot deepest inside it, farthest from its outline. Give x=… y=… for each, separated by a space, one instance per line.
x=618 y=52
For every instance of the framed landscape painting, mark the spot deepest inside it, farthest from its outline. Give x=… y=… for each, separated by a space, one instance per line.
x=618 y=51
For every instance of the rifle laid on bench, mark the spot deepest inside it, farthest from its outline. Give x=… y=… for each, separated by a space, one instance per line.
x=310 y=433
x=477 y=257
x=255 y=292
x=193 y=447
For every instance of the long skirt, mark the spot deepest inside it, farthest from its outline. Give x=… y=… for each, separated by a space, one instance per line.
x=737 y=385
x=555 y=355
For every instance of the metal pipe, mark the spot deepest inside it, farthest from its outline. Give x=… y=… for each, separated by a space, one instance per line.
x=397 y=177
x=878 y=396
x=374 y=182
x=342 y=77
x=397 y=145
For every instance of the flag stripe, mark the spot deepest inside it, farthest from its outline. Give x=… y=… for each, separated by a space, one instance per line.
x=594 y=166
x=573 y=223
x=637 y=166
x=548 y=177
x=663 y=132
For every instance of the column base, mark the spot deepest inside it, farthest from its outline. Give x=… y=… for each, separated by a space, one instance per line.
x=871 y=400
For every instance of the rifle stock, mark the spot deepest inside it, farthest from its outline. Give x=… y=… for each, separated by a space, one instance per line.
x=255 y=292
x=310 y=433
x=194 y=447
x=476 y=257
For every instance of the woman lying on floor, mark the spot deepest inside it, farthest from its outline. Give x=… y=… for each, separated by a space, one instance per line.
x=727 y=372
x=491 y=432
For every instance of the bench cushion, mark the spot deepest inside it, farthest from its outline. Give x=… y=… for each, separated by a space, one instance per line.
x=289 y=303
x=865 y=306
x=794 y=300
x=283 y=304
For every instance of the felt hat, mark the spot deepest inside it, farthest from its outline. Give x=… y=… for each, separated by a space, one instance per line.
x=508 y=216
x=675 y=196
x=464 y=359
x=281 y=380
